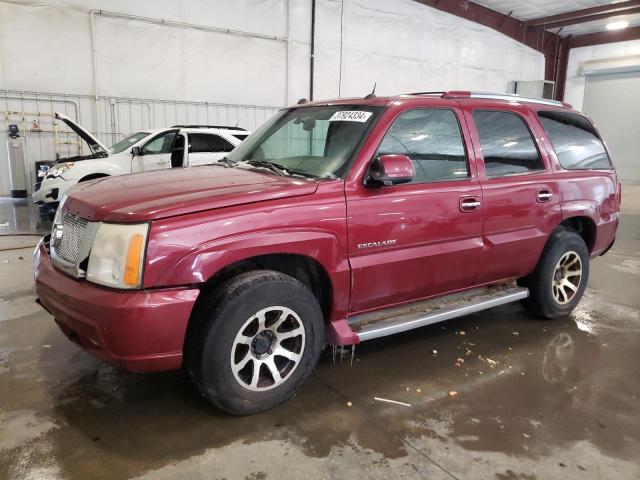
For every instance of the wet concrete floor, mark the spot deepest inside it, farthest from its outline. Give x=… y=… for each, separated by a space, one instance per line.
x=535 y=399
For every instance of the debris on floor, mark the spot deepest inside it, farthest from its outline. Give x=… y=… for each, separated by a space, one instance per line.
x=453 y=393
x=488 y=361
x=349 y=404
x=434 y=352
x=395 y=402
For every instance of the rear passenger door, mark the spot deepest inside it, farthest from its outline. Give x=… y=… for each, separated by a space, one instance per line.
x=520 y=193
x=422 y=238
x=206 y=148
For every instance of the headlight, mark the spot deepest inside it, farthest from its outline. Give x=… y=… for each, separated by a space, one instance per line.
x=117 y=255
x=59 y=169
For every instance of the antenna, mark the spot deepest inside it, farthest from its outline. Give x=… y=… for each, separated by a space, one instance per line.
x=373 y=92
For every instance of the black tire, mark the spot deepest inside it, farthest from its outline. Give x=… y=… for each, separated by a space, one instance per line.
x=222 y=315
x=542 y=300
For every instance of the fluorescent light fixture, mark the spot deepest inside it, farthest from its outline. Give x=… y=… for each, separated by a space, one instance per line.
x=619 y=25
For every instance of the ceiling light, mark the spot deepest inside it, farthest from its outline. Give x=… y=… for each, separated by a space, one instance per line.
x=617 y=25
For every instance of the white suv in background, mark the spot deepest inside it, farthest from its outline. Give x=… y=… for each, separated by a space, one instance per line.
x=139 y=152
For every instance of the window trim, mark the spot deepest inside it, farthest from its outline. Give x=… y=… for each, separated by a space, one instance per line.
x=595 y=132
x=469 y=176
x=544 y=168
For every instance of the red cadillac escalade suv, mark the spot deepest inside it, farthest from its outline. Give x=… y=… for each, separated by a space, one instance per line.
x=335 y=222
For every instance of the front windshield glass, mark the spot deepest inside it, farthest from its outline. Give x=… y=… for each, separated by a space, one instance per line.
x=128 y=142
x=316 y=142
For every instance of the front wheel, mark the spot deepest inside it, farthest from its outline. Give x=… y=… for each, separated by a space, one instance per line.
x=259 y=338
x=560 y=278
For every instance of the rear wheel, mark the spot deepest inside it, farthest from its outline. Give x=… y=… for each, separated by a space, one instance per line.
x=255 y=342
x=560 y=278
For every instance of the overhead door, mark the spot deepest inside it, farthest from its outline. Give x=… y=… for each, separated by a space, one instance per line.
x=613 y=101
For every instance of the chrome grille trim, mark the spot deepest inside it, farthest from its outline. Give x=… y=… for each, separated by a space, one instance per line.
x=71 y=241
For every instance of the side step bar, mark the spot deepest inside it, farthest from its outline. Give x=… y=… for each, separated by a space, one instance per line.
x=407 y=317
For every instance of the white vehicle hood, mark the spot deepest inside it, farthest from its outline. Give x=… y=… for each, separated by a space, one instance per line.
x=95 y=145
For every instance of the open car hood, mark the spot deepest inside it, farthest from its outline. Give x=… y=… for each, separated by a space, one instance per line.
x=96 y=147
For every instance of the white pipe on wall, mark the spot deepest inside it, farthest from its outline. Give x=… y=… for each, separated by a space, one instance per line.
x=94 y=69
x=288 y=48
x=175 y=23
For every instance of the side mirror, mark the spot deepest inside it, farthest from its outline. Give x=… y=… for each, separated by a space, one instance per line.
x=136 y=151
x=387 y=170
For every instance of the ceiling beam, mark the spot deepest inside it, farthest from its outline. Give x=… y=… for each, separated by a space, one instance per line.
x=598 y=38
x=555 y=49
x=534 y=37
x=586 y=15
x=593 y=18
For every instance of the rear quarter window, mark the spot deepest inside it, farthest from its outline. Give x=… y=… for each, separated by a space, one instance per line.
x=575 y=141
x=207 y=142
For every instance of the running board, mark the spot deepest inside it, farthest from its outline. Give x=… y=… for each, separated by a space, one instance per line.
x=407 y=317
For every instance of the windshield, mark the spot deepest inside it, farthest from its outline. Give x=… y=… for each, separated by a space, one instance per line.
x=128 y=142
x=316 y=142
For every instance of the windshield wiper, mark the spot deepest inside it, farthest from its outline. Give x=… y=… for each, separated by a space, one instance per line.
x=274 y=167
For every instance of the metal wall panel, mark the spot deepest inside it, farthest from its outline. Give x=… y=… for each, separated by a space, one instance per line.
x=108 y=118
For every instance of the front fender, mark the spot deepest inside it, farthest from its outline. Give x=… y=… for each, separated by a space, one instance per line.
x=202 y=262
x=95 y=166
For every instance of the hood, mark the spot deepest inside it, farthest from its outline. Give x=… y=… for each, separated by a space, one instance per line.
x=165 y=193
x=96 y=147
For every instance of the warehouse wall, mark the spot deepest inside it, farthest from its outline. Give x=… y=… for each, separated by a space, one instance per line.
x=53 y=46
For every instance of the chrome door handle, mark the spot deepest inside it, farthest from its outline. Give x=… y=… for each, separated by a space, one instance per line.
x=544 y=195
x=469 y=204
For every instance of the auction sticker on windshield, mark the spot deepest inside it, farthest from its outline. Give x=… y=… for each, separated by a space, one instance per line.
x=350 y=116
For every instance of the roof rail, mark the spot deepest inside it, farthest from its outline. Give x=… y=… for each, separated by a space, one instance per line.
x=220 y=127
x=505 y=96
x=427 y=93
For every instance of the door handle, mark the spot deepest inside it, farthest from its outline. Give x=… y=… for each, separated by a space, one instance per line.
x=544 y=195
x=469 y=204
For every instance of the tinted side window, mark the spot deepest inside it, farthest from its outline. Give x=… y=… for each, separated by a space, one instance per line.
x=160 y=144
x=432 y=139
x=507 y=146
x=203 y=142
x=575 y=141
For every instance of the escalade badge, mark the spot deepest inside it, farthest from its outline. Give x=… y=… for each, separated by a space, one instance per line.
x=383 y=243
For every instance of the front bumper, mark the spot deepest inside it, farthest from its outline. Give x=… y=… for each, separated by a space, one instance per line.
x=139 y=330
x=51 y=190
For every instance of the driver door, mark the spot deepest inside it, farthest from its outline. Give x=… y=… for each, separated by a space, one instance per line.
x=155 y=154
x=423 y=238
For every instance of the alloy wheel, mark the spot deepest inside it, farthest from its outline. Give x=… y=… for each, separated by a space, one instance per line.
x=268 y=348
x=566 y=277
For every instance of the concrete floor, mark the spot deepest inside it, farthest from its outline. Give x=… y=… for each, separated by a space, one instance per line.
x=561 y=400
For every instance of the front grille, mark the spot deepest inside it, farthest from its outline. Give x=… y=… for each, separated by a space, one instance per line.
x=67 y=243
x=71 y=241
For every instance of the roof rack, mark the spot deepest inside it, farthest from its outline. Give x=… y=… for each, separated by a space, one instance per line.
x=427 y=93
x=219 y=127
x=495 y=96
